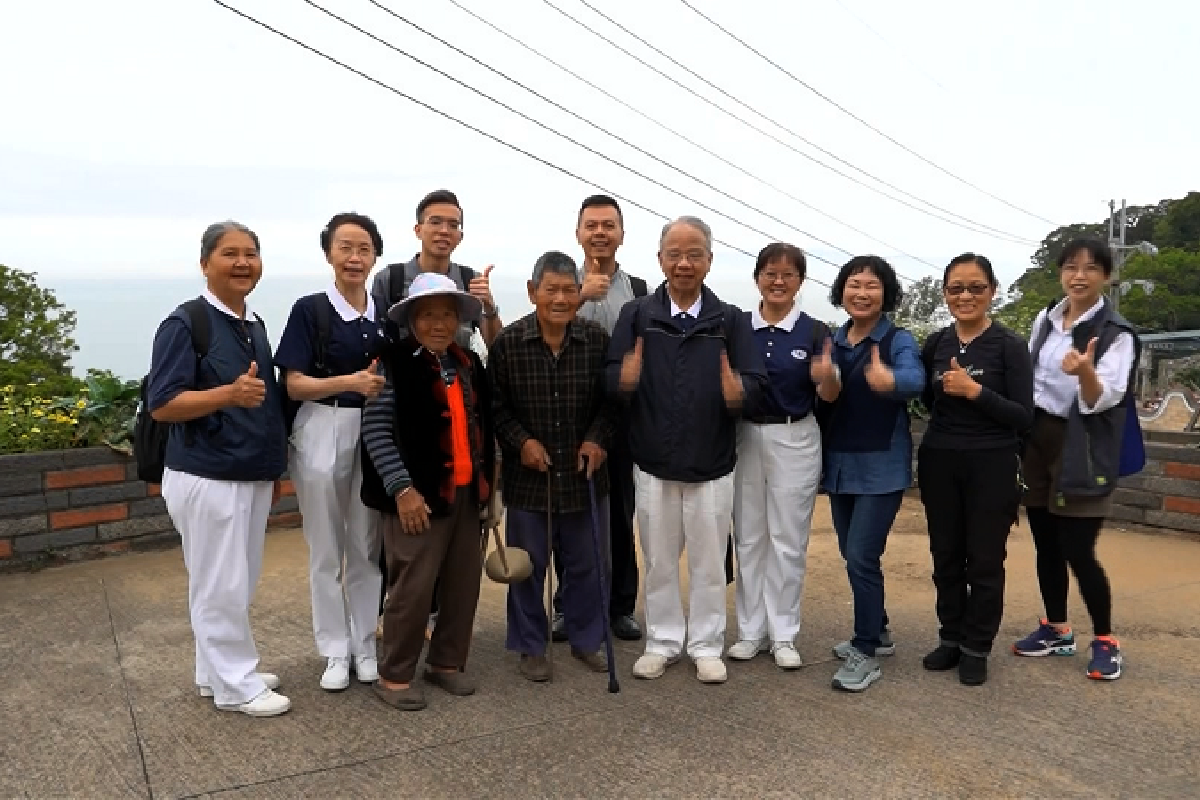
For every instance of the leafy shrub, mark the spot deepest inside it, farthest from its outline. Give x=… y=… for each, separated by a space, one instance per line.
x=100 y=413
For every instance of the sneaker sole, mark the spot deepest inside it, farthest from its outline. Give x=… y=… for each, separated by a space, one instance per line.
x=1100 y=676
x=336 y=687
x=1061 y=650
x=729 y=654
x=257 y=714
x=870 y=678
x=206 y=691
x=657 y=673
x=882 y=650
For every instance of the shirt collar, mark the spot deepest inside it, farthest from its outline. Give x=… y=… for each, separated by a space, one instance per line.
x=342 y=306
x=881 y=327
x=533 y=331
x=1056 y=313
x=224 y=309
x=787 y=323
x=693 y=312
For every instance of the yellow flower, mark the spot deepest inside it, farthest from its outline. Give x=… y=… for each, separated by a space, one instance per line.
x=37 y=412
x=35 y=430
x=81 y=404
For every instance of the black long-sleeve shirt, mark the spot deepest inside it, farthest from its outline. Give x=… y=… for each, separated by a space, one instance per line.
x=998 y=360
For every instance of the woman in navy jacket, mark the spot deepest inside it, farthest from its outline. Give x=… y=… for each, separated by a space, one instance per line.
x=225 y=454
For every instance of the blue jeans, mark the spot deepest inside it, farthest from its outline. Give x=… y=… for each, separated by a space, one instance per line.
x=862 y=522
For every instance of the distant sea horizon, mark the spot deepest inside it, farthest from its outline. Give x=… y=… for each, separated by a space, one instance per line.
x=116 y=317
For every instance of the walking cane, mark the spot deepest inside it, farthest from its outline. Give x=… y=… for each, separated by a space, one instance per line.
x=549 y=572
x=613 y=685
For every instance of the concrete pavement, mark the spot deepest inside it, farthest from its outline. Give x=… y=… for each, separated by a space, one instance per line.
x=96 y=661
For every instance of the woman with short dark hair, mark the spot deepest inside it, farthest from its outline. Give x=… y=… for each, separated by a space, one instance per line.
x=868 y=449
x=979 y=393
x=1084 y=355
x=327 y=354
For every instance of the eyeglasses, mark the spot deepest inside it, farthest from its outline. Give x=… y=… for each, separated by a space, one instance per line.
x=786 y=277
x=439 y=222
x=691 y=256
x=975 y=289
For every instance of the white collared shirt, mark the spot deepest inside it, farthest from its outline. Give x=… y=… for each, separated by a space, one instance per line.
x=342 y=306
x=786 y=324
x=224 y=309
x=693 y=312
x=1055 y=390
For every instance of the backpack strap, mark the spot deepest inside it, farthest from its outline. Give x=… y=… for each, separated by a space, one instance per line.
x=322 y=308
x=196 y=311
x=639 y=287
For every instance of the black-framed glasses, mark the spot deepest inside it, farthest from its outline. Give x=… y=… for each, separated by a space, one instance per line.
x=976 y=289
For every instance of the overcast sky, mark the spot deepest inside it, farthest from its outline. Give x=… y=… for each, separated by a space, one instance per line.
x=128 y=125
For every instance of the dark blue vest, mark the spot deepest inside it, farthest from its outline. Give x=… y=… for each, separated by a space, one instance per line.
x=861 y=421
x=232 y=444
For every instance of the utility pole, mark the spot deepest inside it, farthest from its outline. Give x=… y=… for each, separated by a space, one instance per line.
x=1116 y=243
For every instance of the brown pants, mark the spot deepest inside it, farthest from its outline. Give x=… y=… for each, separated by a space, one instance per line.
x=449 y=550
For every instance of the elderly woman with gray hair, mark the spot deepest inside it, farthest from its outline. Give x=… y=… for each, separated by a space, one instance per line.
x=212 y=379
x=687 y=365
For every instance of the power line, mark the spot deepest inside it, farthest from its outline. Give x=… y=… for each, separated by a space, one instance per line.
x=684 y=137
x=859 y=119
x=912 y=62
x=478 y=130
x=550 y=128
x=958 y=219
x=601 y=128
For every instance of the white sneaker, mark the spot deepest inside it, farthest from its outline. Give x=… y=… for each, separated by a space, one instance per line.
x=337 y=674
x=745 y=649
x=710 y=669
x=652 y=665
x=267 y=704
x=366 y=668
x=271 y=680
x=786 y=656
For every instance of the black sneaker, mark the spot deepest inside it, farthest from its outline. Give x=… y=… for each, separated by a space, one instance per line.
x=942 y=658
x=972 y=670
x=626 y=627
x=560 y=627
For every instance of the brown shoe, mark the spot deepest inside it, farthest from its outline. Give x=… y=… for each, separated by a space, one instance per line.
x=535 y=668
x=410 y=699
x=456 y=683
x=596 y=661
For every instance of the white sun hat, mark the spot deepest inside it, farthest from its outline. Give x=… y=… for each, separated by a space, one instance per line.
x=430 y=284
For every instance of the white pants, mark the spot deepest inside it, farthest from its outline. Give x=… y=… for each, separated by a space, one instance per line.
x=223 y=525
x=778 y=470
x=673 y=516
x=342 y=533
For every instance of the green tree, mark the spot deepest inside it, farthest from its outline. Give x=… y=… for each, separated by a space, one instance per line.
x=921 y=309
x=36 y=330
x=1180 y=225
x=1174 y=302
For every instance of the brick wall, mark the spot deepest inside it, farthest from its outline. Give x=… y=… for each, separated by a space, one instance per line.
x=80 y=503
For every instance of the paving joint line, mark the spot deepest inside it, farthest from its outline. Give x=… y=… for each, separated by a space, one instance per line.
x=411 y=751
x=137 y=734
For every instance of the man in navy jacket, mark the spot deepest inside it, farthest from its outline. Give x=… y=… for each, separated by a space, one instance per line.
x=686 y=364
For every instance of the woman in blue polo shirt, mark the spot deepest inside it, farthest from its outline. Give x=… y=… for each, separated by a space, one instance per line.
x=225 y=454
x=868 y=450
x=328 y=356
x=778 y=463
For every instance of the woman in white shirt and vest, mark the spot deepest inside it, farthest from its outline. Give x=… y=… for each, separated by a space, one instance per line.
x=1083 y=356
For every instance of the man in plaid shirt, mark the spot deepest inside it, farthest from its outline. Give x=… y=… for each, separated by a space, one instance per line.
x=552 y=416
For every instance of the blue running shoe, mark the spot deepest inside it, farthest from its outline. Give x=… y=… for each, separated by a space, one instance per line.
x=1106 y=659
x=1046 y=641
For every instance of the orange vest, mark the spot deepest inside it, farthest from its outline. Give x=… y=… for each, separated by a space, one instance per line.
x=461 y=443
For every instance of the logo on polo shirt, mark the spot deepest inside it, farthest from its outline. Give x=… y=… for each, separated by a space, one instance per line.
x=799 y=354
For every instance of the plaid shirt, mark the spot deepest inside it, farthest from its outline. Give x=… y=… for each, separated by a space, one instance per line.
x=559 y=401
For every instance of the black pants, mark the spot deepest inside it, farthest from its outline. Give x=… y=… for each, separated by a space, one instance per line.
x=622 y=550
x=1063 y=541
x=970 y=499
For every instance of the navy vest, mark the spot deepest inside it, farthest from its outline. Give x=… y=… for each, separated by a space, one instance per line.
x=232 y=444
x=861 y=421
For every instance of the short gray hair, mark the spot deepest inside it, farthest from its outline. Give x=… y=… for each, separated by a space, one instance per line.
x=214 y=233
x=691 y=222
x=556 y=262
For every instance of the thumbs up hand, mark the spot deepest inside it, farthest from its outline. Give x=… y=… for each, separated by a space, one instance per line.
x=958 y=382
x=631 y=368
x=481 y=287
x=879 y=376
x=248 y=391
x=1078 y=364
x=595 y=282
x=368 y=382
x=731 y=385
x=822 y=369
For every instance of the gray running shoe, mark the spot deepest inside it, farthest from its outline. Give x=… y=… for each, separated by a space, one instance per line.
x=886 y=646
x=857 y=672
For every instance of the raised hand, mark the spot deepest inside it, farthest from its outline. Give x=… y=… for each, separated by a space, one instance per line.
x=731 y=384
x=1076 y=363
x=534 y=456
x=595 y=282
x=822 y=368
x=591 y=456
x=481 y=287
x=248 y=391
x=631 y=367
x=959 y=383
x=413 y=511
x=879 y=375
x=368 y=382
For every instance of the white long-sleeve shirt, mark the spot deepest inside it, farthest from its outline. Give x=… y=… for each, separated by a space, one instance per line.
x=1055 y=390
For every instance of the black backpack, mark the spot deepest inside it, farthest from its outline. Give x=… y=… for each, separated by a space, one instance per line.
x=149 y=435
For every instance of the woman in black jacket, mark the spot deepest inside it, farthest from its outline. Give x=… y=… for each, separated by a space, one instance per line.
x=980 y=392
